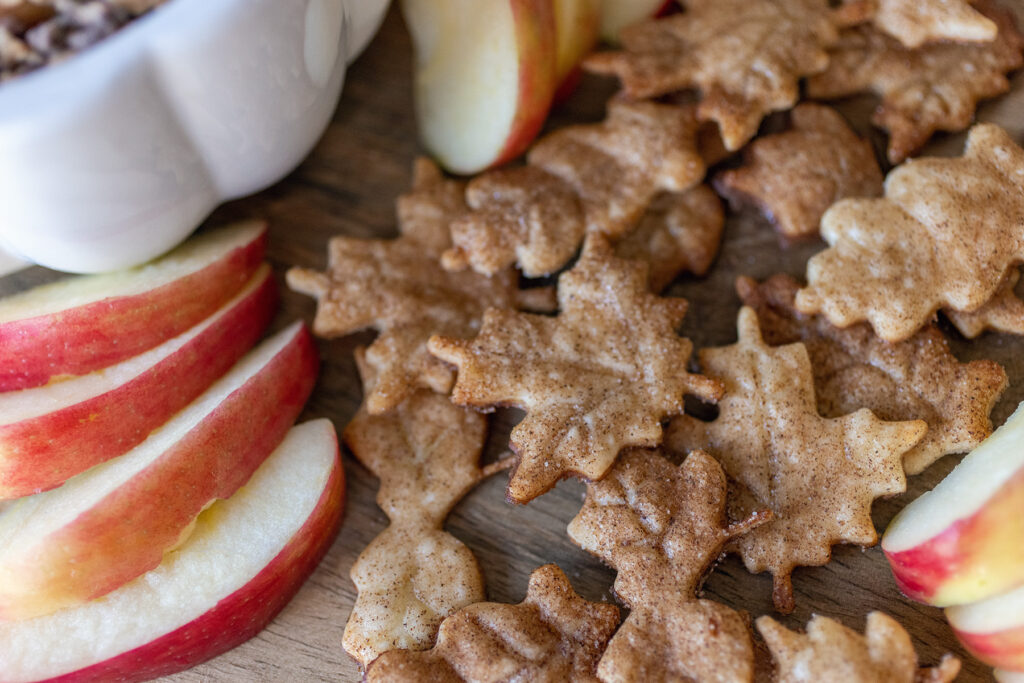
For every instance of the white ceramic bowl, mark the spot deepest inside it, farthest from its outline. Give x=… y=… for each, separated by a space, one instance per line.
x=114 y=156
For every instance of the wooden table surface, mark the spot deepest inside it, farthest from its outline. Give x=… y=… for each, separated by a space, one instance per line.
x=348 y=186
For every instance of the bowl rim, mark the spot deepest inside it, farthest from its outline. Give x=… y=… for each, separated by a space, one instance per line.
x=33 y=92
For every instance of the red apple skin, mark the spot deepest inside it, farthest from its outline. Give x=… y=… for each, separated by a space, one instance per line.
x=536 y=38
x=1003 y=649
x=126 y=534
x=79 y=340
x=41 y=453
x=941 y=570
x=239 y=616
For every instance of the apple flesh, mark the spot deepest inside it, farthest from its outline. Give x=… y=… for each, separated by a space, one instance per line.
x=993 y=630
x=82 y=324
x=51 y=433
x=618 y=14
x=485 y=75
x=115 y=521
x=962 y=542
x=244 y=561
x=577 y=23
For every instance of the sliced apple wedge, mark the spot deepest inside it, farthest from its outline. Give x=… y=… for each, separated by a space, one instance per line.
x=992 y=630
x=962 y=542
x=114 y=522
x=484 y=77
x=51 y=433
x=577 y=23
x=618 y=14
x=246 y=558
x=81 y=324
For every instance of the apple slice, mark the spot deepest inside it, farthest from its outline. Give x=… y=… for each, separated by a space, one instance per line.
x=485 y=77
x=1007 y=676
x=962 y=542
x=618 y=14
x=51 y=433
x=577 y=23
x=81 y=324
x=246 y=558
x=993 y=630
x=114 y=522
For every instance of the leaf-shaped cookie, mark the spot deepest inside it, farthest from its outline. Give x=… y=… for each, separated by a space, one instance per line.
x=1004 y=312
x=600 y=376
x=618 y=165
x=933 y=88
x=772 y=442
x=681 y=231
x=918 y=378
x=795 y=176
x=426 y=211
x=399 y=287
x=552 y=635
x=408 y=580
x=944 y=235
x=426 y=454
x=745 y=56
x=916 y=22
x=662 y=526
x=520 y=216
x=832 y=653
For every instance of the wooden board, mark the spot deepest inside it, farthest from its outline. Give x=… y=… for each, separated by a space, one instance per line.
x=348 y=186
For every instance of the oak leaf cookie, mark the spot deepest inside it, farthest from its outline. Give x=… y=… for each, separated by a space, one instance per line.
x=932 y=88
x=818 y=476
x=681 y=231
x=915 y=379
x=745 y=56
x=552 y=635
x=1004 y=312
x=945 y=235
x=832 y=653
x=598 y=377
x=661 y=527
x=426 y=453
x=795 y=176
x=916 y=22
x=619 y=165
x=398 y=287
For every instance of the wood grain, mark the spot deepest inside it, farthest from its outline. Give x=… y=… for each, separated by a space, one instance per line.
x=348 y=186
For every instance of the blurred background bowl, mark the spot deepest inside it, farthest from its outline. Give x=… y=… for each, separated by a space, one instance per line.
x=116 y=155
